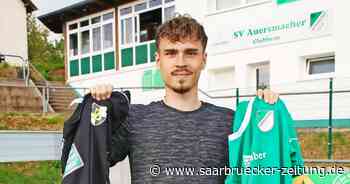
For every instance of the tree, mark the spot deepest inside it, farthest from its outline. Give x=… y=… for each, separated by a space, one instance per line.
x=46 y=56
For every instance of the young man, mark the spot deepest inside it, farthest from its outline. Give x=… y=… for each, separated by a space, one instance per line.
x=179 y=131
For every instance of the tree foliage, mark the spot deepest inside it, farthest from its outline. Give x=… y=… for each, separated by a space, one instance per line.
x=45 y=55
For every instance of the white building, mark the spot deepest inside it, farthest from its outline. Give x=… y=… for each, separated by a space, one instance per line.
x=288 y=45
x=292 y=45
x=13 y=27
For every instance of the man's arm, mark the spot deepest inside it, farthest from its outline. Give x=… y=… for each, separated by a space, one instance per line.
x=119 y=143
x=119 y=135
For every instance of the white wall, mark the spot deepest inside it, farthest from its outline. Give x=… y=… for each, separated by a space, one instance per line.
x=13 y=28
x=287 y=59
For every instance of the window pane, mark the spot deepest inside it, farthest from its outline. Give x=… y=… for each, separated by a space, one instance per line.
x=224 y=4
x=96 y=38
x=149 y=21
x=125 y=11
x=263 y=77
x=85 y=42
x=122 y=22
x=169 y=13
x=136 y=34
x=108 y=36
x=84 y=23
x=168 y=1
x=73 y=26
x=108 y=16
x=128 y=30
x=323 y=66
x=141 y=6
x=95 y=20
x=73 y=44
x=153 y=3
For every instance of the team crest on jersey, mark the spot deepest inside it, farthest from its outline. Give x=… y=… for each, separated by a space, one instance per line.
x=267 y=122
x=98 y=114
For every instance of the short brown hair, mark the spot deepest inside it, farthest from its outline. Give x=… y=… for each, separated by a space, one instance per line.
x=181 y=27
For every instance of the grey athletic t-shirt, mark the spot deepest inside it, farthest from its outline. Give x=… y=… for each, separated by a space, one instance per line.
x=166 y=145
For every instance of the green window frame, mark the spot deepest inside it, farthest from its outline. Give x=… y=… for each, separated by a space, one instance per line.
x=127 y=57
x=109 y=62
x=141 y=54
x=74 y=67
x=85 y=65
x=96 y=63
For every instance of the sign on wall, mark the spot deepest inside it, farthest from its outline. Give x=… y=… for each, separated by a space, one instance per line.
x=274 y=30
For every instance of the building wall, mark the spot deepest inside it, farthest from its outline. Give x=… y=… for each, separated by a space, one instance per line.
x=286 y=57
x=13 y=28
x=231 y=63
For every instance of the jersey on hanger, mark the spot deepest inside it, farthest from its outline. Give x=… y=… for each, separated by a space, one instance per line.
x=263 y=144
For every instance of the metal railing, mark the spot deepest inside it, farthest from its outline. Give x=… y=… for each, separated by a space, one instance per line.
x=24 y=63
x=237 y=96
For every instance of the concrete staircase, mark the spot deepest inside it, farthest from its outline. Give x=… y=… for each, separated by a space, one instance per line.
x=60 y=96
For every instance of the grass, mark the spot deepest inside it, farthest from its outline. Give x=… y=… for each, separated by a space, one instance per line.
x=314 y=145
x=32 y=121
x=47 y=172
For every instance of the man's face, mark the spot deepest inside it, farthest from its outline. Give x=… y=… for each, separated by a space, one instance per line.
x=180 y=63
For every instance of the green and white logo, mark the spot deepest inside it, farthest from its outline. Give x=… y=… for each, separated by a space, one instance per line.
x=317 y=20
x=98 y=114
x=74 y=161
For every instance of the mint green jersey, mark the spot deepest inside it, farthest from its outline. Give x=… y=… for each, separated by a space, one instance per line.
x=263 y=145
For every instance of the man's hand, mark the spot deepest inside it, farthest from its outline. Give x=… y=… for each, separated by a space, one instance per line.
x=302 y=180
x=269 y=96
x=101 y=92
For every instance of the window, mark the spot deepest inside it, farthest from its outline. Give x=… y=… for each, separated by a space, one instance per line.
x=141 y=6
x=128 y=31
x=153 y=3
x=125 y=11
x=107 y=16
x=169 y=13
x=95 y=20
x=84 y=23
x=258 y=75
x=91 y=44
x=225 y=4
x=96 y=37
x=149 y=21
x=321 y=65
x=138 y=23
x=73 y=26
x=262 y=76
x=108 y=36
x=85 y=42
x=73 y=44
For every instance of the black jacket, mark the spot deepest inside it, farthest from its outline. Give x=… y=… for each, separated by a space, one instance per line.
x=86 y=154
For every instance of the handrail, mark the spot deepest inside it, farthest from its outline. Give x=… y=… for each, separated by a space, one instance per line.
x=24 y=65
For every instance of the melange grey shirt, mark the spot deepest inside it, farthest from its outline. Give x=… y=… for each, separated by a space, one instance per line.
x=166 y=145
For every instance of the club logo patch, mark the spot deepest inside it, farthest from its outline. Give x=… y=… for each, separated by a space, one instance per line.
x=74 y=161
x=267 y=122
x=98 y=114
